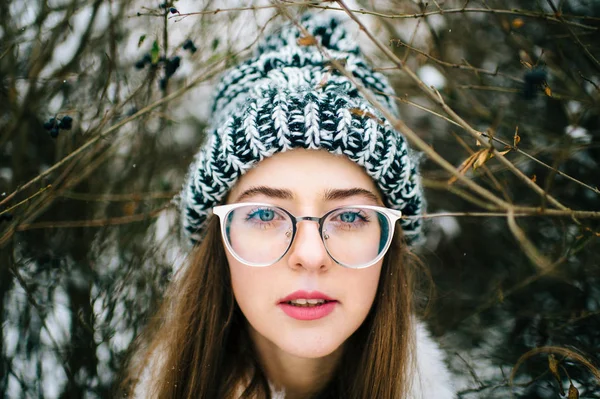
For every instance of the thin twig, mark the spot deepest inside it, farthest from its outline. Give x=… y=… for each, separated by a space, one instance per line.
x=41 y=190
x=520 y=13
x=489 y=88
x=590 y=81
x=462 y=10
x=118 y=197
x=95 y=222
x=526 y=245
x=533 y=212
x=471 y=370
x=587 y=52
x=454 y=189
x=454 y=66
x=152 y=12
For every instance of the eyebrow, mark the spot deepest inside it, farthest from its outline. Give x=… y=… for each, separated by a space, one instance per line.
x=279 y=193
x=340 y=194
x=330 y=194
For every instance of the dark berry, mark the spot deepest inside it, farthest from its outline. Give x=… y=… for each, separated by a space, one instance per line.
x=535 y=76
x=6 y=217
x=165 y=275
x=189 y=45
x=534 y=80
x=172 y=66
x=163 y=83
x=132 y=111
x=66 y=123
x=140 y=64
x=54 y=132
x=50 y=124
x=163 y=5
x=173 y=10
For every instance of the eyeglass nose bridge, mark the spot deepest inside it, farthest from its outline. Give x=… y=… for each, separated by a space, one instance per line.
x=309 y=218
x=315 y=219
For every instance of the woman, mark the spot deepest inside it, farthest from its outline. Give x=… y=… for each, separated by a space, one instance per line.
x=300 y=282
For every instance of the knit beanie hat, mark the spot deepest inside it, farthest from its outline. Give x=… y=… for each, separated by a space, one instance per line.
x=288 y=96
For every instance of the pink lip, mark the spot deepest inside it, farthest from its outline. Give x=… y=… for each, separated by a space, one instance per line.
x=307 y=313
x=306 y=295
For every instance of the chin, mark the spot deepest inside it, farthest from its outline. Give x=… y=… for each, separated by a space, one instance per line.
x=309 y=351
x=309 y=346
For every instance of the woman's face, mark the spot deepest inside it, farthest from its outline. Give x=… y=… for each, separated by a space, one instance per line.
x=306 y=183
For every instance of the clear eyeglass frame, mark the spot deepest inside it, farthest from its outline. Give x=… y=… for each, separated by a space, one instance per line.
x=223 y=211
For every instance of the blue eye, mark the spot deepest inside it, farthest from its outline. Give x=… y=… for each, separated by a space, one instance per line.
x=265 y=215
x=348 y=217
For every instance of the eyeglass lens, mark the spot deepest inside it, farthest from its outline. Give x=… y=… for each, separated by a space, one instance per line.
x=260 y=235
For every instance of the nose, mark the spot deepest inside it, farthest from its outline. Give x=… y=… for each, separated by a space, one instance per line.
x=308 y=251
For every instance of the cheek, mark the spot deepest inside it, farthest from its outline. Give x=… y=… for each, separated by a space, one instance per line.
x=360 y=288
x=253 y=289
x=244 y=281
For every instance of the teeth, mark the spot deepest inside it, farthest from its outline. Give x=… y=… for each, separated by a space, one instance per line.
x=307 y=302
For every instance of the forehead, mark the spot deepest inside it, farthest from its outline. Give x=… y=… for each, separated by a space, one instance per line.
x=308 y=174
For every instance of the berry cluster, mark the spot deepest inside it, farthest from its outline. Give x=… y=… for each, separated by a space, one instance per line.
x=189 y=45
x=170 y=64
x=54 y=125
x=172 y=10
x=142 y=62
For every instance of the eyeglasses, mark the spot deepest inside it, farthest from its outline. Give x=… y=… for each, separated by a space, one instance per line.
x=259 y=234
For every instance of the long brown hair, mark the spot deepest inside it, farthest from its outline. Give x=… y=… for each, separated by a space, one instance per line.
x=198 y=345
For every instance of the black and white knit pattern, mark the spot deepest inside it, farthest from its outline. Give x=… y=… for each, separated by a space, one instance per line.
x=287 y=96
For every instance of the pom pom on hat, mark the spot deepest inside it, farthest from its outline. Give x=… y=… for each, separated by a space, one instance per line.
x=287 y=96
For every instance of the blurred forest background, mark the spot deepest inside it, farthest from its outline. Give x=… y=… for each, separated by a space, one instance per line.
x=103 y=105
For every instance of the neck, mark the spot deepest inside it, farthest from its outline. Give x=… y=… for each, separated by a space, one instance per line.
x=299 y=377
